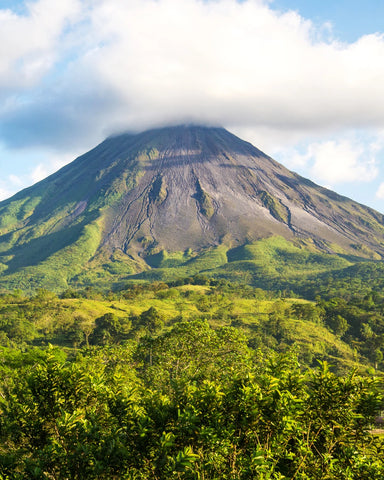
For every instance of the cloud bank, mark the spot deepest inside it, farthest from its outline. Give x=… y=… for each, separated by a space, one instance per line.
x=135 y=63
x=73 y=72
x=332 y=162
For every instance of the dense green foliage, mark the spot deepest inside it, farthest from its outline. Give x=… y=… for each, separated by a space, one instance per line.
x=192 y=403
x=345 y=332
x=195 y=379
x=358 y=279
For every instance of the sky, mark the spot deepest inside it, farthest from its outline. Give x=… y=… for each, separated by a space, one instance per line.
x=301 y=80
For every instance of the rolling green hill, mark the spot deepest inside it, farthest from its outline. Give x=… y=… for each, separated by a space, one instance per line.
x=268 y=322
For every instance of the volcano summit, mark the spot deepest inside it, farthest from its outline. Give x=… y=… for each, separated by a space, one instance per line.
x=172 y=194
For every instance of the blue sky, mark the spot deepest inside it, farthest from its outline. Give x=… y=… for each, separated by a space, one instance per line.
x=302 y=80
x=350 y=18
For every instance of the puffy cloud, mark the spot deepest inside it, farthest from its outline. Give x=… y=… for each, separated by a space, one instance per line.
x=331 y=162
x=29 y=42
x=5 y=193
x=43 y=169
x=75 y=71
x=339 y=162
x=10 y=186
x=41 y=164
x=15 y=180
x=38 y=173
x=380 y=191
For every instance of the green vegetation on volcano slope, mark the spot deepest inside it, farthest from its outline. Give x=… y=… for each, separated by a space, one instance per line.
x=275 y=263
x=272 y=264
x=361 y=279
x=50 y=231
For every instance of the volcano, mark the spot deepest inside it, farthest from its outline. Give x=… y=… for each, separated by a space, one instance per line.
x=170 y=193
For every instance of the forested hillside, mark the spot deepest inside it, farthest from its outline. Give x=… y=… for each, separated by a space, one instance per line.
x=345 y=331
x=188 y=380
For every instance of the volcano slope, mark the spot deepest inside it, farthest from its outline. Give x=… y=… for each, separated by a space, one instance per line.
x=175 y=201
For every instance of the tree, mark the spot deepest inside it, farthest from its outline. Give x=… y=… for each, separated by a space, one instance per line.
x=377 y=357
x=306 y=311
x=151 y=320
x=339 y=325
x=192 y=351
x=107 y=329
x=76 y=335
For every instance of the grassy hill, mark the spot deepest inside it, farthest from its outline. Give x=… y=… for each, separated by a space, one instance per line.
x=269 y=322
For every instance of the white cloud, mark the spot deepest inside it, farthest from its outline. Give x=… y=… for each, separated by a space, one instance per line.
x=380 y=191
x=5 y=193
x=31 y=166
x=341 y=162
x=230 y=62
x=29 y=43
x=15 y=180
x=333 y=162
x=10 y=186
x=38 y=173
x=43 y=169
x=82 y=68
